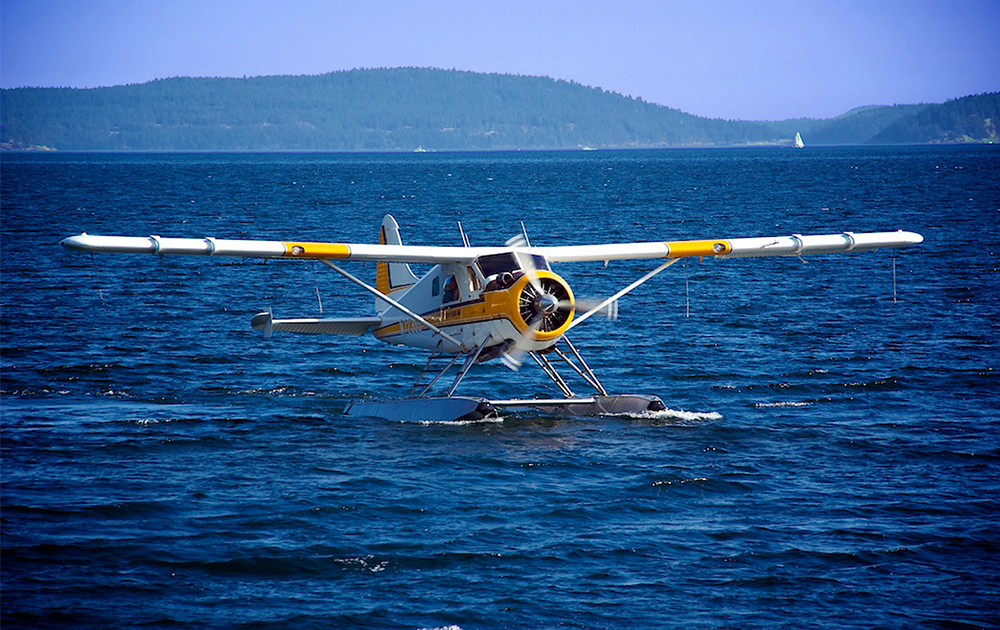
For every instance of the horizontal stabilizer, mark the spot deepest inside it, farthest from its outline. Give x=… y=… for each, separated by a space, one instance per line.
x=356 y=326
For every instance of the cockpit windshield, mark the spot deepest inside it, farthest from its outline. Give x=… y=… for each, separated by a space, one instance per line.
x=498 y=263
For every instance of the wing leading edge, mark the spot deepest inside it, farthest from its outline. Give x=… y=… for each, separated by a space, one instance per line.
x=91 y=243
x=793 y=245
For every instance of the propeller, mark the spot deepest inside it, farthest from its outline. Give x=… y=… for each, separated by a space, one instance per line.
x=537 y=306
x=543 y=289
x=545 y=303
x=540 y=306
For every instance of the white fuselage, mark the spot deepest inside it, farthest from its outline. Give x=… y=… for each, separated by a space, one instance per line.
x=475 y=308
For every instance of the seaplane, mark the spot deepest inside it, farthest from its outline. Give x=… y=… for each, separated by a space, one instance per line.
x=483 y=303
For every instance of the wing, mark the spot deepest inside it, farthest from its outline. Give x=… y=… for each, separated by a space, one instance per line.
x=92 y=243
x=794 y=245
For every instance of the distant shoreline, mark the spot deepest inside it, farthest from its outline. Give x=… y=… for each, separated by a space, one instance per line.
x=51 y=151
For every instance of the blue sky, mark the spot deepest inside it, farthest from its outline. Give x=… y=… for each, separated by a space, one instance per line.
x=764 y=59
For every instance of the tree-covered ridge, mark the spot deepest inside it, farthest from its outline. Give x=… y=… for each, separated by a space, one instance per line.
x=399 y=109
x=372 y=110
x=969 y=119
x=860 y=125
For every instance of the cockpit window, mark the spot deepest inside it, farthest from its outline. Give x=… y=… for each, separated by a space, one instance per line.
x=498 y=263
x=540 y=263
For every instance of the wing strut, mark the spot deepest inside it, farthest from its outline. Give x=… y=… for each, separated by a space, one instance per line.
x=585 y=373
x=620 y=293
x=394 y=303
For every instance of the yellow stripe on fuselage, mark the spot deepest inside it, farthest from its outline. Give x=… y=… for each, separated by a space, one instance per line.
x=492 y=306
x=317 y=250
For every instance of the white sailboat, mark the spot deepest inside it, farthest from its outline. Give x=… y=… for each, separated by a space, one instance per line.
x=797 y=143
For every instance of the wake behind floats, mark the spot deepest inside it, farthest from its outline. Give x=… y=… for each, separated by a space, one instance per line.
x=477 y=304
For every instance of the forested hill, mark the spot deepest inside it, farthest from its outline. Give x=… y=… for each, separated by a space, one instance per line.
x=400 y=109
x=969 y=119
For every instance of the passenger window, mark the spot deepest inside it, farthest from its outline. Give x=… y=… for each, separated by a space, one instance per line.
x=436 y=287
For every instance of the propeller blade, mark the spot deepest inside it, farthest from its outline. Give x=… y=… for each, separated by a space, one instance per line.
x=526 y=263
x=513 y=356
x=516 y=241
x=607 y=309
x=511 y=362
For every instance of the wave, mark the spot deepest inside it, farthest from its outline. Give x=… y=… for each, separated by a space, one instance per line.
x=786 y=403
x=665 y=414
x=498 y=419
x=678 y=414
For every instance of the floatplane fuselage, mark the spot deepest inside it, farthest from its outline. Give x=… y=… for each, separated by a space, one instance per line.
x=477 y=304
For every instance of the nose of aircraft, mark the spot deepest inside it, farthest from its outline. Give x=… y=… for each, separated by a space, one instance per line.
x=547 y=303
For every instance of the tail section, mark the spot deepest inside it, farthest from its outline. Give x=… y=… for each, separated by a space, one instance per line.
x=390 y=277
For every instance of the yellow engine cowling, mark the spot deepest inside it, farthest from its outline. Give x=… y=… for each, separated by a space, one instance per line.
x=543 y=317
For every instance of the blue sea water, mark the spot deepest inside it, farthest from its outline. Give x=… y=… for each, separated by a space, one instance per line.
x=830 y=457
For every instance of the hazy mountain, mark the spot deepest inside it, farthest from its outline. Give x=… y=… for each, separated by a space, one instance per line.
x=400 y=109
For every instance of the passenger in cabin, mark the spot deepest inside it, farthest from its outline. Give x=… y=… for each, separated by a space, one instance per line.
x=450 y=289
x=499 y=281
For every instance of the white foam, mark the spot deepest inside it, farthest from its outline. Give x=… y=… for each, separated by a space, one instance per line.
x=787 y=403
x=678 y=414
x=665 y=414
x=462 y=423
x=677 y=482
